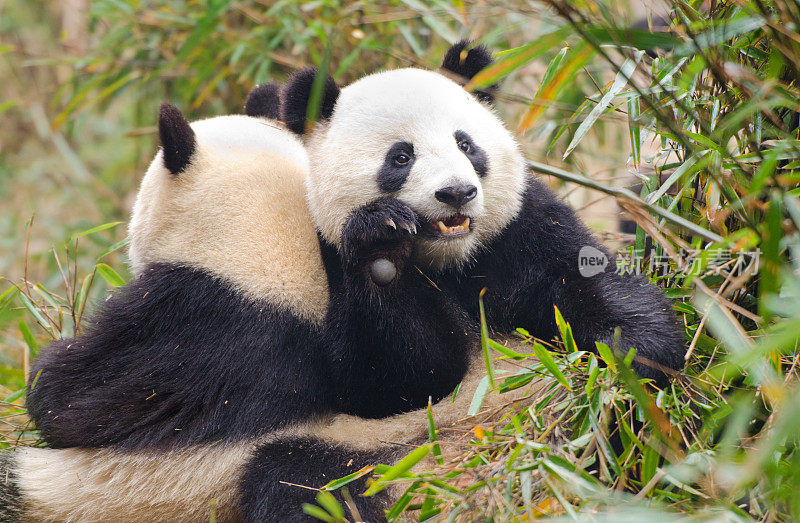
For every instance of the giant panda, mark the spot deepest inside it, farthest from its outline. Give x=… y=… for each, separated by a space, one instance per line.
x=420 y=198
x=413 y=147
x=215 y=350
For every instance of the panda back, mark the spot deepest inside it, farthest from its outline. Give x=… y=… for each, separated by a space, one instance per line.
x=237 y=211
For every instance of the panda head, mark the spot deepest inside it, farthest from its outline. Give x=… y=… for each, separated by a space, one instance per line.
x=418 y=136
x=221 y=196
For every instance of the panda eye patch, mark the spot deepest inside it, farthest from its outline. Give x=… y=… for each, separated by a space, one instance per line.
x=396 y=167
x=477 y=156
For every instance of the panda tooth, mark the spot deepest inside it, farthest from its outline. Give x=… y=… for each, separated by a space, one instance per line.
x=465 y=224
x=442 y=226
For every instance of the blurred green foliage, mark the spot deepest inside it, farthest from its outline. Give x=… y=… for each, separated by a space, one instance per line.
x=696 y=111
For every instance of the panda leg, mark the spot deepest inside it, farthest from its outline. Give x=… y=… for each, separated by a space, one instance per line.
x=283 y=475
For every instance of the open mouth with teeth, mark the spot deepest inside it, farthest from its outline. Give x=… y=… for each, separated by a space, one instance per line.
x=450 y=227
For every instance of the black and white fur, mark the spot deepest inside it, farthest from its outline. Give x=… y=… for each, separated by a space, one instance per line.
x=222 y=350
x=393 y=154
x=411 y=144
x=217 y=344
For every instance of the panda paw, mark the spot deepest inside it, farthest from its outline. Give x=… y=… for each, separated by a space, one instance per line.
x=383 y=229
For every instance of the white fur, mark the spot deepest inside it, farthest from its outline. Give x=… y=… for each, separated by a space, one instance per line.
x=236 y=211
x=92 y=485
x=425 y=109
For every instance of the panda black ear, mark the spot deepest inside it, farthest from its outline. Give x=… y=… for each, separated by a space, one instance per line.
x=177 y=138
x=466 y=60
x=264 y=101
x=296 y=94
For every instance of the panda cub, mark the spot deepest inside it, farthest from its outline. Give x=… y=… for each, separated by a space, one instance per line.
x=217 y=352
x=412 y=146
x=421 y=199
x=253 y=313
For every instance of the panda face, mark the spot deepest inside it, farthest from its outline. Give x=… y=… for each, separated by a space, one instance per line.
x=420 y=137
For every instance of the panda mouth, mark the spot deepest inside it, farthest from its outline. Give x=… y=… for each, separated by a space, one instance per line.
x=450 y=227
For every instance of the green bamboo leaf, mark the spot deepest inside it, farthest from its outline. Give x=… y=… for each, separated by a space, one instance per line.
x=338 y=483
x=620 y=81
x=515 y=382
x=513 y=59
x=485 y=339
x=559 y=73
x=5 y=106
x=120 y=244
x=634 y=129
x=483 y=388
x=505 y=351
x=607 y=355
x=642 y=39
x=550 y=364
x=16 y=395
x=565 y=330
x=93 y=230
x=329 y=503
x=402 y=466
x=316 y=512
x=202 y=30
x=28 y=337
x=110 y=275
x=36 y=312
x=80 y=299
x=401 y=504
x=694 y=164
x=434 y=437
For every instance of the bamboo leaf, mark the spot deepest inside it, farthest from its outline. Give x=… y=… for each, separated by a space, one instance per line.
x=561 y=71
x=338 y=483
x=110 y=275
x=513 y=59
x=620 y=81
x=550 y=364
x=93 y=230
x=402 y=466
x=485 y=340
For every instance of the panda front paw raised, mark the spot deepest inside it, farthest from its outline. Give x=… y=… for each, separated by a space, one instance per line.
x=378 y=239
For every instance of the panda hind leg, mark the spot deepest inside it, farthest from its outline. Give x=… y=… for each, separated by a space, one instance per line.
x=282 y=475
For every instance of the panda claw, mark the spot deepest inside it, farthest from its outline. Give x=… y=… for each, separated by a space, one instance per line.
x=391 y=223
x=414 y=228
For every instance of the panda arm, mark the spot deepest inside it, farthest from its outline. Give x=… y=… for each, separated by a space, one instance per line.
x=395 y=343
x=533 y=265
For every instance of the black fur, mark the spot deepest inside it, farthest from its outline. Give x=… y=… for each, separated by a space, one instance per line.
x=468 y=65
x=403 y=342
x=296 y=96
x=270 y=488
x=392 y=175
x=477 y=156
x=533 y=265
x=173 y=358
x=12 y=507
x=177 y=138
x=264 y=101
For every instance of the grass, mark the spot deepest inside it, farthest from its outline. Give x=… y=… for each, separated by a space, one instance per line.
x=699 y=123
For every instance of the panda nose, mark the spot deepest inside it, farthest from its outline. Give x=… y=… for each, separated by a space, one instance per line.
x=456 y=195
